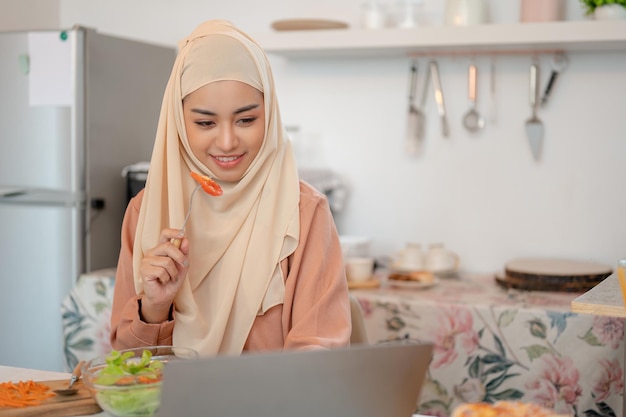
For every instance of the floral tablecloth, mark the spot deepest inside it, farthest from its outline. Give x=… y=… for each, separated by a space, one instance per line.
x=495 y=344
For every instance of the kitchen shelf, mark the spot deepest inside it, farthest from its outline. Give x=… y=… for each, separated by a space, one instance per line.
x=517 y=38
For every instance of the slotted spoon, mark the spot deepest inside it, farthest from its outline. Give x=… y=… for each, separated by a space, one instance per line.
x=472 y=120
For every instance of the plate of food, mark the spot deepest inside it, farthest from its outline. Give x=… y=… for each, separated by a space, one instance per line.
x=412 y=279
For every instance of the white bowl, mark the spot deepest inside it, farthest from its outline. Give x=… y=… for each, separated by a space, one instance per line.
x=355 y=246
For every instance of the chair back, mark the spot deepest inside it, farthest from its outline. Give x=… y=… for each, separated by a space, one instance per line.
x=359 y=335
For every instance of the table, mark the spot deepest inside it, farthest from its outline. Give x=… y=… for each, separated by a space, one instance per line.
x=493 y=344
x=605 y=299
x=8 y=373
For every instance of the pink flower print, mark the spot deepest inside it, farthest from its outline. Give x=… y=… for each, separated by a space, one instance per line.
x=434 y=410
x=102 y=336
x=557 y=386
x=608 y=330
x=366 y=306
x=609 y=378
x=455 y=325
x=471 y=391
x=542 y=392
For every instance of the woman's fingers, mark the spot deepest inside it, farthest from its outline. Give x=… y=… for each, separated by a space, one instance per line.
x=165 y=262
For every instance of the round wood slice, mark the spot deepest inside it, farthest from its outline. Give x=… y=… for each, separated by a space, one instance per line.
x=531 y=285
x=557 y=271
x=308 y=24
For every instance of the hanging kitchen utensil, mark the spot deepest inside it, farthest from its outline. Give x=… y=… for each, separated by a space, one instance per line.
x=472 y=120
x=441 y=107
x=559 y=63
x=412 y=136
x=534 y=126
x=421 y=116
x=492 y=91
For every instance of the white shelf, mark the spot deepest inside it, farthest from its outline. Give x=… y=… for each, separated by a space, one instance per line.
x=526 y=38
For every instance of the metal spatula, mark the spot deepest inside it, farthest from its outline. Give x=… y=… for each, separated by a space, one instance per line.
x=441 y=106
x=534 y=126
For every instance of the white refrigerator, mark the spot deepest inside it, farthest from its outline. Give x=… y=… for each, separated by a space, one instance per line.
x=76 y=107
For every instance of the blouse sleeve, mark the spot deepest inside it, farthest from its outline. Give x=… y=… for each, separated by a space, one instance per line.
x=316 y=291
x=127 y=328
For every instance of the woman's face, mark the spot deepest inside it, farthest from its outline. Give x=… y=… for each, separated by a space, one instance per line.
x=225 y=123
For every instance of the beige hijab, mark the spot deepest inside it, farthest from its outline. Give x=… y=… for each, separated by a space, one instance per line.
x=236 y=240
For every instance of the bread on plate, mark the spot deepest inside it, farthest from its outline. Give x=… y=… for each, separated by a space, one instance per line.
x=504 y=409
x=415 y=276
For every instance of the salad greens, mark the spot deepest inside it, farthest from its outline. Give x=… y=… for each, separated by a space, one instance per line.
x=131 y=385
x=119 y=366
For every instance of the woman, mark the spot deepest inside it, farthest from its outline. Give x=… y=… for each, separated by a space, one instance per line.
x=259 y=268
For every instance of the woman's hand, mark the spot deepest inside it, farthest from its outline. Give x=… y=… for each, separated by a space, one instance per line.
x=162 y=271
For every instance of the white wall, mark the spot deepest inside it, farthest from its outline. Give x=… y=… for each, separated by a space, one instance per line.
x=482 y=195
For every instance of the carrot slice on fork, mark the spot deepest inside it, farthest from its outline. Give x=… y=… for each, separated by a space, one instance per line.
x=208 y=185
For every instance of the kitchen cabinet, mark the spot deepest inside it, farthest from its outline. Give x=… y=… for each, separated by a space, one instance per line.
x=515 y=38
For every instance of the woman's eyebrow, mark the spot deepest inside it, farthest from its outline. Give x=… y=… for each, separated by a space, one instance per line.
x=246 y=108
x=239 y=110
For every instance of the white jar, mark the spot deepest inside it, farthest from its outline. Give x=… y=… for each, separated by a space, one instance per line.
x=374 y=15
x=466 y=12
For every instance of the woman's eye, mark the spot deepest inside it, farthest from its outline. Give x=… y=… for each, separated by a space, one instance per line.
x=205 y=123
x=246 y=120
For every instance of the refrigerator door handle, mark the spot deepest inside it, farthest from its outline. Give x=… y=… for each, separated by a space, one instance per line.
x=11 y=192
x=41 y=197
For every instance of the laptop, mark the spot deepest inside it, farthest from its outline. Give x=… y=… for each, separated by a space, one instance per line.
x=381 y=380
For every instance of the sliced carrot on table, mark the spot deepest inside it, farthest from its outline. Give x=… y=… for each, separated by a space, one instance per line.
x=23 y=393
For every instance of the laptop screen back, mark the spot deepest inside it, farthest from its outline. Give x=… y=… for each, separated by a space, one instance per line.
x=361 y=381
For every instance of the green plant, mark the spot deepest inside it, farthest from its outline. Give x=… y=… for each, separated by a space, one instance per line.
x=590 y=5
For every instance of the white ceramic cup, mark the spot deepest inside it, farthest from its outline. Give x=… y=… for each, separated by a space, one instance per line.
x=439 y=259
x=359 y=269
x=410 y=258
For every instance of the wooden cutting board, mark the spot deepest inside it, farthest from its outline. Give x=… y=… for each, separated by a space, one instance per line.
x=81 y=403
x=557 y=270
x=526 y=285
x=308 y=24
x=551 y=274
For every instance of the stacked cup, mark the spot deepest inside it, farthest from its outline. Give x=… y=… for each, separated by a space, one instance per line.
x=356 y=255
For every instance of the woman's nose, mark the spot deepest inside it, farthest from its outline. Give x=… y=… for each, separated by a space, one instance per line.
x=227 y=139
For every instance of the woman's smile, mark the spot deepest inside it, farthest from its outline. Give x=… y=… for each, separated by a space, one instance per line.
x=228 y=161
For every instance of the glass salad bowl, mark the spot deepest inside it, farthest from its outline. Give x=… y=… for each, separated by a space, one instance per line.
x=127 y=383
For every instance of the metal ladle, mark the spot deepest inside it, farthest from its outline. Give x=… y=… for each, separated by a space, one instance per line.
x=472 y=120
x=75 y=376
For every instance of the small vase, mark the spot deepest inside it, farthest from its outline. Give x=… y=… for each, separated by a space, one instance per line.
x=542 y=10
x=610 y=12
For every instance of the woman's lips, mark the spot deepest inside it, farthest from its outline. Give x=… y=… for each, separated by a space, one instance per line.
x=228 y=161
